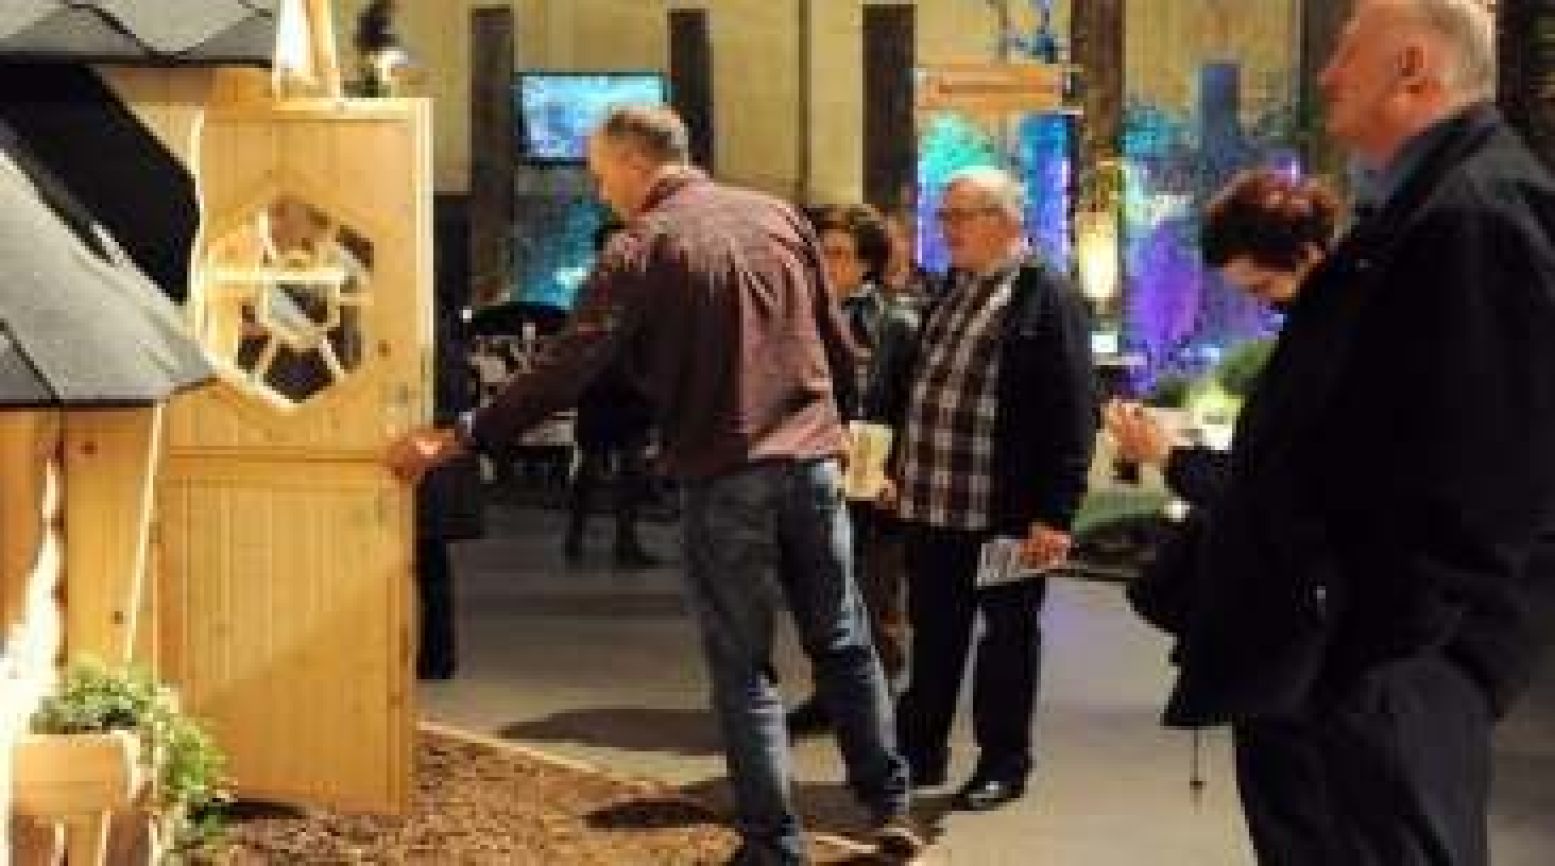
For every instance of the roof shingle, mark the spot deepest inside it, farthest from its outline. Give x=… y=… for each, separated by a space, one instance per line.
x=156 y=32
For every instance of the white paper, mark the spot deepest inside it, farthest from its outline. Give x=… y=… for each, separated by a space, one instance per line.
x=870 y=446
x=1000 y=562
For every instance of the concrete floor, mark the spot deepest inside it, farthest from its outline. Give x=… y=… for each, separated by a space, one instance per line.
x=603 y=667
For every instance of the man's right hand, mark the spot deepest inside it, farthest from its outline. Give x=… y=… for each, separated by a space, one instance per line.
x=410 y=456
x=888 y=496
x=1139 y=437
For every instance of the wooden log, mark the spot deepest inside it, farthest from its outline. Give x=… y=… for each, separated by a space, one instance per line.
x=110 y=463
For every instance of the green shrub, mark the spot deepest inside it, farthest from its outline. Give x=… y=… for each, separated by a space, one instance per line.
x=189 y=788
x=1171 y=391
x=1241 y=366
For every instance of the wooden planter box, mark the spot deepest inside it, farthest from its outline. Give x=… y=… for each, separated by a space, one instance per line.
x=58 y=776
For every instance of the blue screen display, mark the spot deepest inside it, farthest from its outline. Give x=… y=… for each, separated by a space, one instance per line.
x=558 y=110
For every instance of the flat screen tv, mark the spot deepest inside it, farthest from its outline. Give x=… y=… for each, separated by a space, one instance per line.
x=557 y=110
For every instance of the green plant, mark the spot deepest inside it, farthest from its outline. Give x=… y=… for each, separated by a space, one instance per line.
x=1171 y=391
x=189 y=788
x=1240 y=367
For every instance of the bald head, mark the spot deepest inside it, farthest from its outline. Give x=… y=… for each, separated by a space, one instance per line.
x=1401 y=66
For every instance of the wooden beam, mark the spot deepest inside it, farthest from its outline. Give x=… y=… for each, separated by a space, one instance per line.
x=27 y=441
x=110 y=468
x=326 y=53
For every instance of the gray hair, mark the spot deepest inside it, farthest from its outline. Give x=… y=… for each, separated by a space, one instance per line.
x=1469 y=29
x=1001 y=187
x=655 y=131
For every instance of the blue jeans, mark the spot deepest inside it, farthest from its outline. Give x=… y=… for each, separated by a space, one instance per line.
x=753 y=538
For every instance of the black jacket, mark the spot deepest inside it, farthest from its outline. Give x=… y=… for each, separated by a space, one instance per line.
x=1393 y=469
x=1047 y=415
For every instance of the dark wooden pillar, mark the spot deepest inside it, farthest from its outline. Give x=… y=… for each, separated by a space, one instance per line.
x=691 y=80
x=1526 y=53
x=1096 y=29
x=493 y=152
x=890 y=151
x=1321 y=22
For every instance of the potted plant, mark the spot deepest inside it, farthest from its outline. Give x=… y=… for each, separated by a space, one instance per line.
x=143 y=753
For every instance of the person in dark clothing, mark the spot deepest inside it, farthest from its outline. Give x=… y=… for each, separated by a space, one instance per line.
x=998 y=417
x=716 y=298
x=612 y=432
x=1265 y=232
x=855 y=248
x=448 y=507
x=1363 y=573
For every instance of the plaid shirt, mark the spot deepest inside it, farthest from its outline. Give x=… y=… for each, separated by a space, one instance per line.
x=948 y=441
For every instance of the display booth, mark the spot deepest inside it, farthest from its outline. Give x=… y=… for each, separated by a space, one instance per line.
x=242 y=539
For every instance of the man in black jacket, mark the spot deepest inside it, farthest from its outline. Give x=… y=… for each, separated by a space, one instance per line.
x=1364 y=574
x=996 y=438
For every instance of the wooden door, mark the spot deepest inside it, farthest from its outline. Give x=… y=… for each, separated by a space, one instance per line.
x=284 y=546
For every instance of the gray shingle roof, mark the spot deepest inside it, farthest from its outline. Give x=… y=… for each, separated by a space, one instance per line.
x=79 y=325
x=140 y=31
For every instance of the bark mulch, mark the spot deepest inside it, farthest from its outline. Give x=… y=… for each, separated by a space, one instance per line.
x=478 y=803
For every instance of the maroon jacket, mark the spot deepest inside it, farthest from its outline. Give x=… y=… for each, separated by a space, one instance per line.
x=715 y=298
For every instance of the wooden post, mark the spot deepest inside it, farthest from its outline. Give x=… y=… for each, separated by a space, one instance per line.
x=326 y=56
x=110 y=461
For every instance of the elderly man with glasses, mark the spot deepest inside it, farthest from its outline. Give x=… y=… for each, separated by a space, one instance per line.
x=998 y=419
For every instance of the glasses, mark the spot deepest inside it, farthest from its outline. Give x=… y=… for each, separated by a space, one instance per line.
x=952 y=215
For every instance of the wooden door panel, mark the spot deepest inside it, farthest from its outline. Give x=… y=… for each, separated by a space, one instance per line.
x=284 y=545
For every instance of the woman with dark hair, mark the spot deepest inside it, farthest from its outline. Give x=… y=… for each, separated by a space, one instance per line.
x=856 y=250
x=1265 y=232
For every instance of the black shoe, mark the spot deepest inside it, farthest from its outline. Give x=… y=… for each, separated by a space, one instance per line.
x=808 y=719
x=634 y=557
x=435 y=670
x=925 y=777
x=985 y=793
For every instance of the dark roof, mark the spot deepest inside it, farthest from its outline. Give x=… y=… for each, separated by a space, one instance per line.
x=69 y=119
x=79 y=324
x=154 y=32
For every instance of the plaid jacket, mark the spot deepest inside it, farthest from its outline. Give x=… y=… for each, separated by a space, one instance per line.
x=948 y=439
x=1045 y=406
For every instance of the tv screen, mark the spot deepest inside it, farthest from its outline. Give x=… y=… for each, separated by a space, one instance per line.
x=558 y=110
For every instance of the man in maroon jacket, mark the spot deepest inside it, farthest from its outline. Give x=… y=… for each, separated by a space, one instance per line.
x=715 y=299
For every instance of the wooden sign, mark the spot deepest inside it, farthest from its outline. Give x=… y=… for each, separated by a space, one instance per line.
x=993 y=88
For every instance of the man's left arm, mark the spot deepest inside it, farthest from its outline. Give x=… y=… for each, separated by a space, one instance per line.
x=1064 y=412
x=609 y=309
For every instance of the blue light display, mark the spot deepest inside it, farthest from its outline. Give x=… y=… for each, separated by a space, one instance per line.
x=1038 y=153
